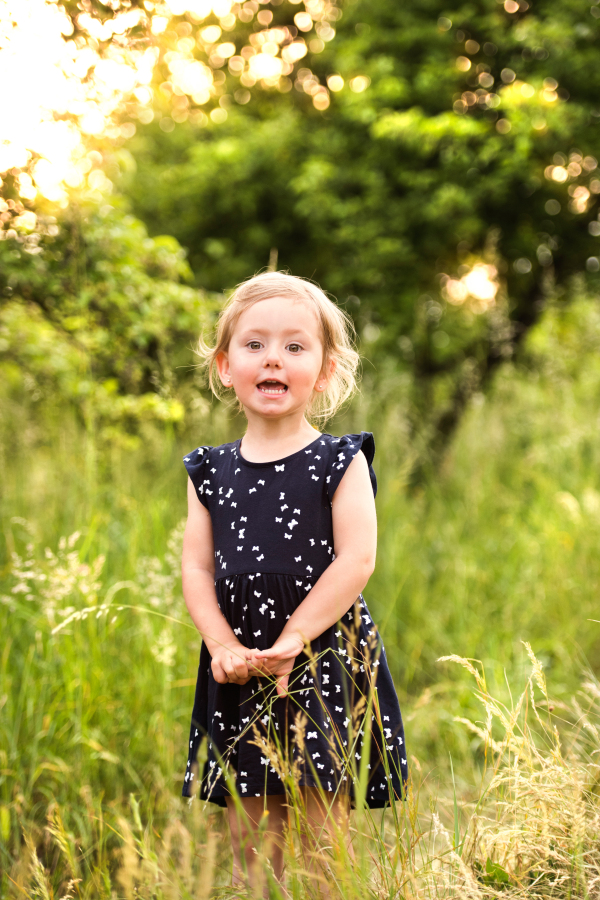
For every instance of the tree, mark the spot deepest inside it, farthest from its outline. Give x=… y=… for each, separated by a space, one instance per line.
x=447 y=192
x=97 y=314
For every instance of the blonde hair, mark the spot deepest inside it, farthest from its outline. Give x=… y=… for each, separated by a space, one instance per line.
x=337 y=332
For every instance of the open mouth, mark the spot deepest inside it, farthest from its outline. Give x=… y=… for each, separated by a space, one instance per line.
x=272 y=387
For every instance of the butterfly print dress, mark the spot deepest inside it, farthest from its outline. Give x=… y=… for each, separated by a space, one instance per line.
x=273 y=538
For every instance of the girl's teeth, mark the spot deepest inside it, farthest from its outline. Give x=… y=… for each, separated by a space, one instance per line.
x=274 y=390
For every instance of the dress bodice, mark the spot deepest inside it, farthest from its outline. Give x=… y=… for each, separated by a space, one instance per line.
x=274 y=517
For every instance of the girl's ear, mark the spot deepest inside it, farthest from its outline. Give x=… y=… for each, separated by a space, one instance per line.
x=222 y=362
x=325 y=376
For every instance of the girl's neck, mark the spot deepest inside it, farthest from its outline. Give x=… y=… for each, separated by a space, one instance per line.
x=267 y=440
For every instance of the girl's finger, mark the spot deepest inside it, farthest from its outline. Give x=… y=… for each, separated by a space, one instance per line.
x=240 y=668
x=264 y=654
x=219 y=673
x=230 y=665
x=282 y=685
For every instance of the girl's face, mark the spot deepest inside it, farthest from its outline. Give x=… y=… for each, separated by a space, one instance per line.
x=275 y=358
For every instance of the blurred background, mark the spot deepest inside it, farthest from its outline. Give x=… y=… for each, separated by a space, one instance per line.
x=432 y=165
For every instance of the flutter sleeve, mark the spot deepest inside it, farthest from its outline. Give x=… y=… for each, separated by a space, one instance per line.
x=344 y=451
x=198 y=469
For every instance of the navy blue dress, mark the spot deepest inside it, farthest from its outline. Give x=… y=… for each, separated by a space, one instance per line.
x=273 y=538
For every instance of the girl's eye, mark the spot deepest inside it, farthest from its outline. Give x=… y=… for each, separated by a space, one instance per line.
x=294 y=348
x=254 y=345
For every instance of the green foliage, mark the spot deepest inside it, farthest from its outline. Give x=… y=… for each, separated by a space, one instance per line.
x=495 y=875
x=97 y=314
x=416 y=176
x=506 y=529
x=498 y=546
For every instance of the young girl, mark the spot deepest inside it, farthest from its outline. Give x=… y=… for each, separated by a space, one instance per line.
x=279 y=543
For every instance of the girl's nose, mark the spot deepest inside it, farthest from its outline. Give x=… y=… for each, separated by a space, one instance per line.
x=272 y=357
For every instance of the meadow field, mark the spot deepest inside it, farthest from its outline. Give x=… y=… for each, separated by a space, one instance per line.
x=490 y=557
x=435 y=168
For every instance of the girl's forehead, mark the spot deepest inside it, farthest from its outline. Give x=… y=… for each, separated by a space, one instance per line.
x=277 y=313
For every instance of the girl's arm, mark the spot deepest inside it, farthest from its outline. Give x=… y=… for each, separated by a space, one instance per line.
x=355 y=545
x=229 y=656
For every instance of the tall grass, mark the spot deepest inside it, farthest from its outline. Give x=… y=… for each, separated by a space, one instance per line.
x=499 y=546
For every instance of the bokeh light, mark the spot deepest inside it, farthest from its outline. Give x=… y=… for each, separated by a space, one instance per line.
x=60 y=92
x=67 y=93
x=478 y=287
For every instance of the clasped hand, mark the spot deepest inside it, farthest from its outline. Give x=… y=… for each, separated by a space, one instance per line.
x=233 y=663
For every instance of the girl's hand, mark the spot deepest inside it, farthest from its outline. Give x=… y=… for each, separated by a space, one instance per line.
x=231 y=663
x=279 y=660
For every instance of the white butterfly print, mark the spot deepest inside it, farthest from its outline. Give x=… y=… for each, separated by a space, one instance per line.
x=296 y=512
x=260 y=482
x=252 y=491
x=292 y=524
x=288 y=536
x=278 y=520
x=284 y=507
x=255 y=548
x=280 y=468
x=298 y=558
